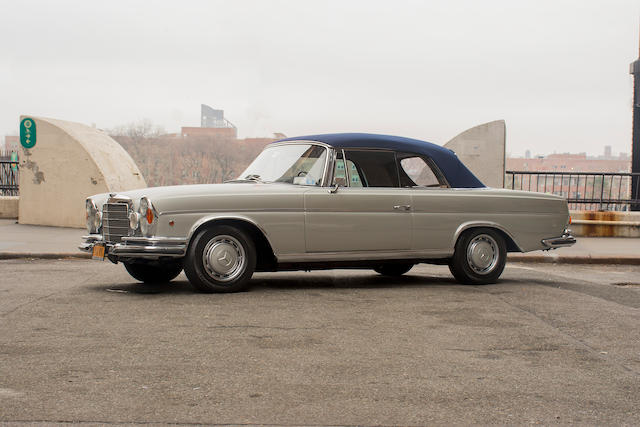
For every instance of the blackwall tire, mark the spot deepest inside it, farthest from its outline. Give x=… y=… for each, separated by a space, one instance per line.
x=393 y=270
x=479 y=258
x=150 y=273
x=221 y=258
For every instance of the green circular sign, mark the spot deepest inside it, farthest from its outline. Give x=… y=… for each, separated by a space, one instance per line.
x=28 y=133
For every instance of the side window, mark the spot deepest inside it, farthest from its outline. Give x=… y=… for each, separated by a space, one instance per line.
x=339 y=175
x=372 y=168
x=416 y=172
x=355 y=176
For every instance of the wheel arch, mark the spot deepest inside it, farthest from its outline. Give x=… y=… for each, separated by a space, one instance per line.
x=264 y=251
x=512 y=245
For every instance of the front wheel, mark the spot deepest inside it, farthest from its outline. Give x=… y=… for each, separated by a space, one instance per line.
x=220 y=259
x=479 y=258
x=150 y=273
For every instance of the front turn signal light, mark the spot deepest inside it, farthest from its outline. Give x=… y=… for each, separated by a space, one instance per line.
x=148 y=217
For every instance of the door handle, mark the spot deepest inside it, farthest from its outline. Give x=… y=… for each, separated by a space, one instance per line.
x=402 y=207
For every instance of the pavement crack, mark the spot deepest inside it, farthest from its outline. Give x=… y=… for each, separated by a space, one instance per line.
x=18 y=307
x=128 y=423
x=35 y=300
x=282 y=328
x=607 y=358
x=623 y=295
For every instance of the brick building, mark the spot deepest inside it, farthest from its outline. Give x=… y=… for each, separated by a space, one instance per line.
x=570 y=163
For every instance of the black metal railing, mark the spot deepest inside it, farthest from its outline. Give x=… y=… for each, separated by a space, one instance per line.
x=598 y=191
x=9 y=178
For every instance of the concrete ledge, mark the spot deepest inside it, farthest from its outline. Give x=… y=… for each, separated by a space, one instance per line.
x=605 y=224
x=9 y=207
x=43 y=255
x=620 y=260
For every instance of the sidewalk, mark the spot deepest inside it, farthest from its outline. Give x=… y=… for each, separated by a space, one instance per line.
x=589 y=250
x=34 y=241
x=37 y=241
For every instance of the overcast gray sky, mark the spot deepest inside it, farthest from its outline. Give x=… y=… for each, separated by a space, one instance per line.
x=556 y=71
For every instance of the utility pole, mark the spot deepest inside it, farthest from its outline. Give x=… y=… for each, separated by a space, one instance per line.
x=635 y=144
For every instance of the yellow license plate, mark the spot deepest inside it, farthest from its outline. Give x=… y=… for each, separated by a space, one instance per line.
x=98 y=252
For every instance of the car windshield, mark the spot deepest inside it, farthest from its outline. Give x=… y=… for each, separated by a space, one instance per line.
x=300 y=164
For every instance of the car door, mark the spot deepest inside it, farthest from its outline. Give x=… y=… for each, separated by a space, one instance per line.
x=434 y=218
x=369 y=213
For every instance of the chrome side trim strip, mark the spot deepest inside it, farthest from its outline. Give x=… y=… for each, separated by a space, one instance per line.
x=364 y=256
x=235 y=211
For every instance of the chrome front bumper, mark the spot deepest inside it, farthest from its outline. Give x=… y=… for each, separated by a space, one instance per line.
x=559 y=242
x=137 y=247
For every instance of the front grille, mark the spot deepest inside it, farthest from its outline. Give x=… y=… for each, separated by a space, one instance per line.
x=115 y=222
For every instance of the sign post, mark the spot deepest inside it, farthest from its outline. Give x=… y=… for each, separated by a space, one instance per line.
x=28 y=133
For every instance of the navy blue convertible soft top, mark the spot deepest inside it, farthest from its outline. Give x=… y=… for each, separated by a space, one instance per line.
x=453 y=169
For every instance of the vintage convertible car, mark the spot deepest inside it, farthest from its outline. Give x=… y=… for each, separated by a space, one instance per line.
x=326 y=201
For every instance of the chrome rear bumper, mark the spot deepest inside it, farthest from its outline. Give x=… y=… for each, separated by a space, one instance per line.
x=559 y=242
x=138 y=247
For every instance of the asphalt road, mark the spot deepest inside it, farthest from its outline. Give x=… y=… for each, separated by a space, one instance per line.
x=80 y=341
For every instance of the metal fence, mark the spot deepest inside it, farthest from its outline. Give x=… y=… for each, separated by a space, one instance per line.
x=609 y=191
x=9 y=178
x=595 y=191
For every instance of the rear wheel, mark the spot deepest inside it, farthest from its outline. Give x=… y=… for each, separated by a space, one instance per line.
x=220 y=259
x=393 y=269
x=479 y=257
x=150 y=273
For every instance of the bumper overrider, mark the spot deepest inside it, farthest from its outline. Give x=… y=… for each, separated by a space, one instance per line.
x=559 y=242
x=137 y=247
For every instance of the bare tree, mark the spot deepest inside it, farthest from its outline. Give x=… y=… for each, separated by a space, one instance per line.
x=138 y=131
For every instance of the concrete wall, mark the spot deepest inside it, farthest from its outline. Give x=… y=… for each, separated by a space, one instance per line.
x=9 y=207
x=605 y=224
x=70 y=162
x=482 y=150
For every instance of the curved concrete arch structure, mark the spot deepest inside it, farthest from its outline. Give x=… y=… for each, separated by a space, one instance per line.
x=482 y=150
x=69 y=162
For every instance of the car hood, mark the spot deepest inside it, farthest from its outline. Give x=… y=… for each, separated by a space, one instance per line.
x=189 y=197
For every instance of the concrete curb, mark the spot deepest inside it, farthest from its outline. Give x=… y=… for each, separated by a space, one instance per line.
x=587 y=259
x=43 y=255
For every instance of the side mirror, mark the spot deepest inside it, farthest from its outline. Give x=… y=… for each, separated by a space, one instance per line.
x=334 y=189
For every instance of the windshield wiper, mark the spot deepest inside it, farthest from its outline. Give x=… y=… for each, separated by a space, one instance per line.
x=248 y=178
x=253 y=177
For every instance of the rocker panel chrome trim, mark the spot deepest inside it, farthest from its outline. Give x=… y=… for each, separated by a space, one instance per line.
x=363 y=256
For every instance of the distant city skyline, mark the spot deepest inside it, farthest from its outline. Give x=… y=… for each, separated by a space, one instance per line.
x=604 y=154
x=556 y=72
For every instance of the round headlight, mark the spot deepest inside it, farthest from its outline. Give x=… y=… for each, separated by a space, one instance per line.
x=133 y=220
x=94 y=218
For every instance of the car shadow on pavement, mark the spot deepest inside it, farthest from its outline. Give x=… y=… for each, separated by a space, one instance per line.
x=346 y=281
x=288 y=281
x=174 y=287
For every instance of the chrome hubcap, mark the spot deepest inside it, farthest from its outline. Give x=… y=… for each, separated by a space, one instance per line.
x=482 y=254
x=224 y=258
